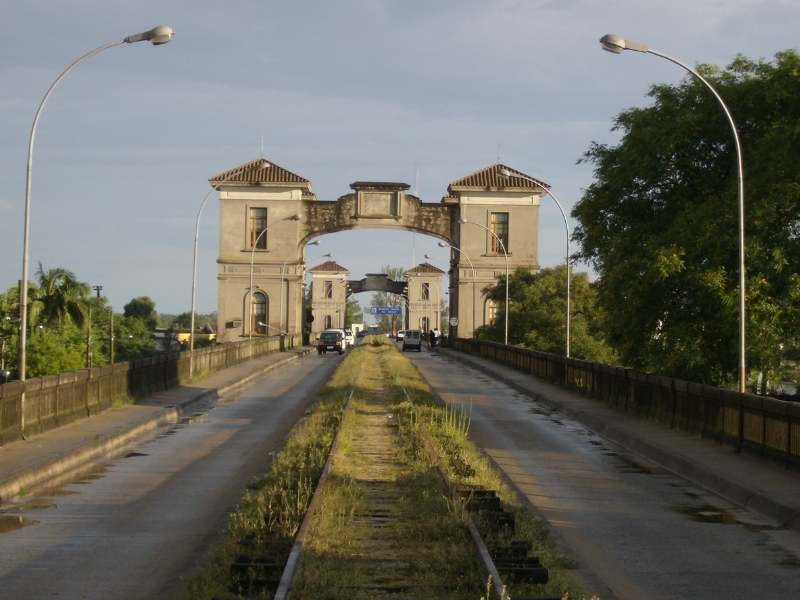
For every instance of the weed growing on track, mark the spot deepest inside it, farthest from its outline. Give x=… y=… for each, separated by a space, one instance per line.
x=384 y=525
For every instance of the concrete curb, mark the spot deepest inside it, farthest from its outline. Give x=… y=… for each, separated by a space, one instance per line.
x=57 y=470
x=787 y=516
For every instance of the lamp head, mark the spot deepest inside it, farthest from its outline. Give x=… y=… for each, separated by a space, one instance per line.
x=463 y=220
x=156 y=36
x=428 y=257
x=314 y=243
x=443 y=244
x=615 y=44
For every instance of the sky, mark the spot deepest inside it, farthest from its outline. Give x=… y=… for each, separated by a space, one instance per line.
x=338 y=91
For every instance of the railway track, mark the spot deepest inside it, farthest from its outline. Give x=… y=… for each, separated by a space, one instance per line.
x=383 y=524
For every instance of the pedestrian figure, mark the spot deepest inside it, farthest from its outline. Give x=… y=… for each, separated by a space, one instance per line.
x=431 y=339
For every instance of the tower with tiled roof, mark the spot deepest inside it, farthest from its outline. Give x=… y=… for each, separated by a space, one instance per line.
x=425 y=297
x=500 y=204
x=260 y=238
x=328 y=296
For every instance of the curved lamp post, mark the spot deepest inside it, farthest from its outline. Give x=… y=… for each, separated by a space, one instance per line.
x=616 y=45
x=443 y=244
x=294 y=217
x=509 y=174
x=156 y=36
x=215 y=188
x=505 y=255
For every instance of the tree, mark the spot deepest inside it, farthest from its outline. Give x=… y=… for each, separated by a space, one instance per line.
x=143 y=308
x=353 y=313
x=59 y=298
x=659 y=224
x=538 y=314
x=389 y=322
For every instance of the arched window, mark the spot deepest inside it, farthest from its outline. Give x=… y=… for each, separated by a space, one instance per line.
x=424 y=324
x=328 y=322
x=491 y=311
x=260 y=314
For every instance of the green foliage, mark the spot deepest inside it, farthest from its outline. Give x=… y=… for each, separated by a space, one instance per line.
x=353 y=313
x=538 y=314
x=134 y=336
x=142 y=307
x=660 y=226
x=50 y=351
x=389 y=322
x=58 y=299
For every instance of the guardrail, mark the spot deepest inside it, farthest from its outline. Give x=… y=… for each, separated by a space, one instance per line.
x=55 y=400
x=762 y=424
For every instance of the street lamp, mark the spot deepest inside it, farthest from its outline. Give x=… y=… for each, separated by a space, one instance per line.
x=283 y=267
x=505 y=255
x=508 y=174
x=294 y=217
x=156 y=36
x=444 y=244
x=257 y=167
x=616 y=45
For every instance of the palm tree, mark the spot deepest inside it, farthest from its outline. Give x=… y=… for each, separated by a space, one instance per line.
x=59 y=297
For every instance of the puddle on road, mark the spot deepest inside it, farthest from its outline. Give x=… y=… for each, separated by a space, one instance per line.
x=194 y=419
x=38 y=503
x=706 y=513
x=10 y=523
x=135 y=454
x=93 y=474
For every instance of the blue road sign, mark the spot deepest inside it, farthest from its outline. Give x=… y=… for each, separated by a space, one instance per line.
x=385 y=310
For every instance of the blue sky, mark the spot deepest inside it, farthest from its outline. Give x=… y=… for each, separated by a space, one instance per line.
x=339 y=91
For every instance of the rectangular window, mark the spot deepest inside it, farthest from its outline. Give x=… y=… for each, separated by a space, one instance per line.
x=498 y=224
x=425 y=291
x=257 y=227
x=328 y=289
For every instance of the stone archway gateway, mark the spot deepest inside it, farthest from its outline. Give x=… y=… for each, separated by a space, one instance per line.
x=268 y=214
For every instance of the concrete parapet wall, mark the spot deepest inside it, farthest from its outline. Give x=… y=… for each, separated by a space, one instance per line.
x=55 y=400
x=761 y=424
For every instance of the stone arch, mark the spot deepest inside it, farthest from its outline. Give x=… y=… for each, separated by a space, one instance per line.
x=473 y=205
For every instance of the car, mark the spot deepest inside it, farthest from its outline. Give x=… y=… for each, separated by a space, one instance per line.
x=400 y=335
x=361 y=333
x=412 y=340
x=331 y=340
x=348 y=337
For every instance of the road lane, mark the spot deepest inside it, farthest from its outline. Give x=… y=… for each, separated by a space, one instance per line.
x=135 y=527
x=640 y=530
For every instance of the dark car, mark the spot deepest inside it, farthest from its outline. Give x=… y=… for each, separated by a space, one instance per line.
x=332 y=341
x=412 y=340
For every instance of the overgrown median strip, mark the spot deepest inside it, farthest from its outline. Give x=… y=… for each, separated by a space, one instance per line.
x=385 y=527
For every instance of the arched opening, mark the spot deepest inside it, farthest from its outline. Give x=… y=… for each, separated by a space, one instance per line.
x=260 y=314
x=328 y=322
x=425 y=324
x=490 y=312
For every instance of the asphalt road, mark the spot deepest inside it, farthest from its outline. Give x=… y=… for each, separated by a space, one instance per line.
x=136 y=527
x=636 y=530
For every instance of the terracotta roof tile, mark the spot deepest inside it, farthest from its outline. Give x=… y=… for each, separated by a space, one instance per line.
x=425 y=268
x=329 y=265
x=260 y=171
x=492 y=178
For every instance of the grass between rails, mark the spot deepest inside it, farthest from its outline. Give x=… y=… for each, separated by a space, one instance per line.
x=384 y=528
x=248 y=561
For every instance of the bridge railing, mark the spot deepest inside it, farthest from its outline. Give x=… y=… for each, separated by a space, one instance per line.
x=758 y=423
x=55 y=400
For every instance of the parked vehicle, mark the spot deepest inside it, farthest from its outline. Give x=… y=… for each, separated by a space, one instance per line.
x=331 y=340
x=412 y=340
x=348 y=337
x=400 y=335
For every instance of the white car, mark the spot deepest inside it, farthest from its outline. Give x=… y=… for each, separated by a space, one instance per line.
x=400 y=334
x=348 y=337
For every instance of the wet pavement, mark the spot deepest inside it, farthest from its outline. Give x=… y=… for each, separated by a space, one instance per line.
x=134 y=526
x=636 y=529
